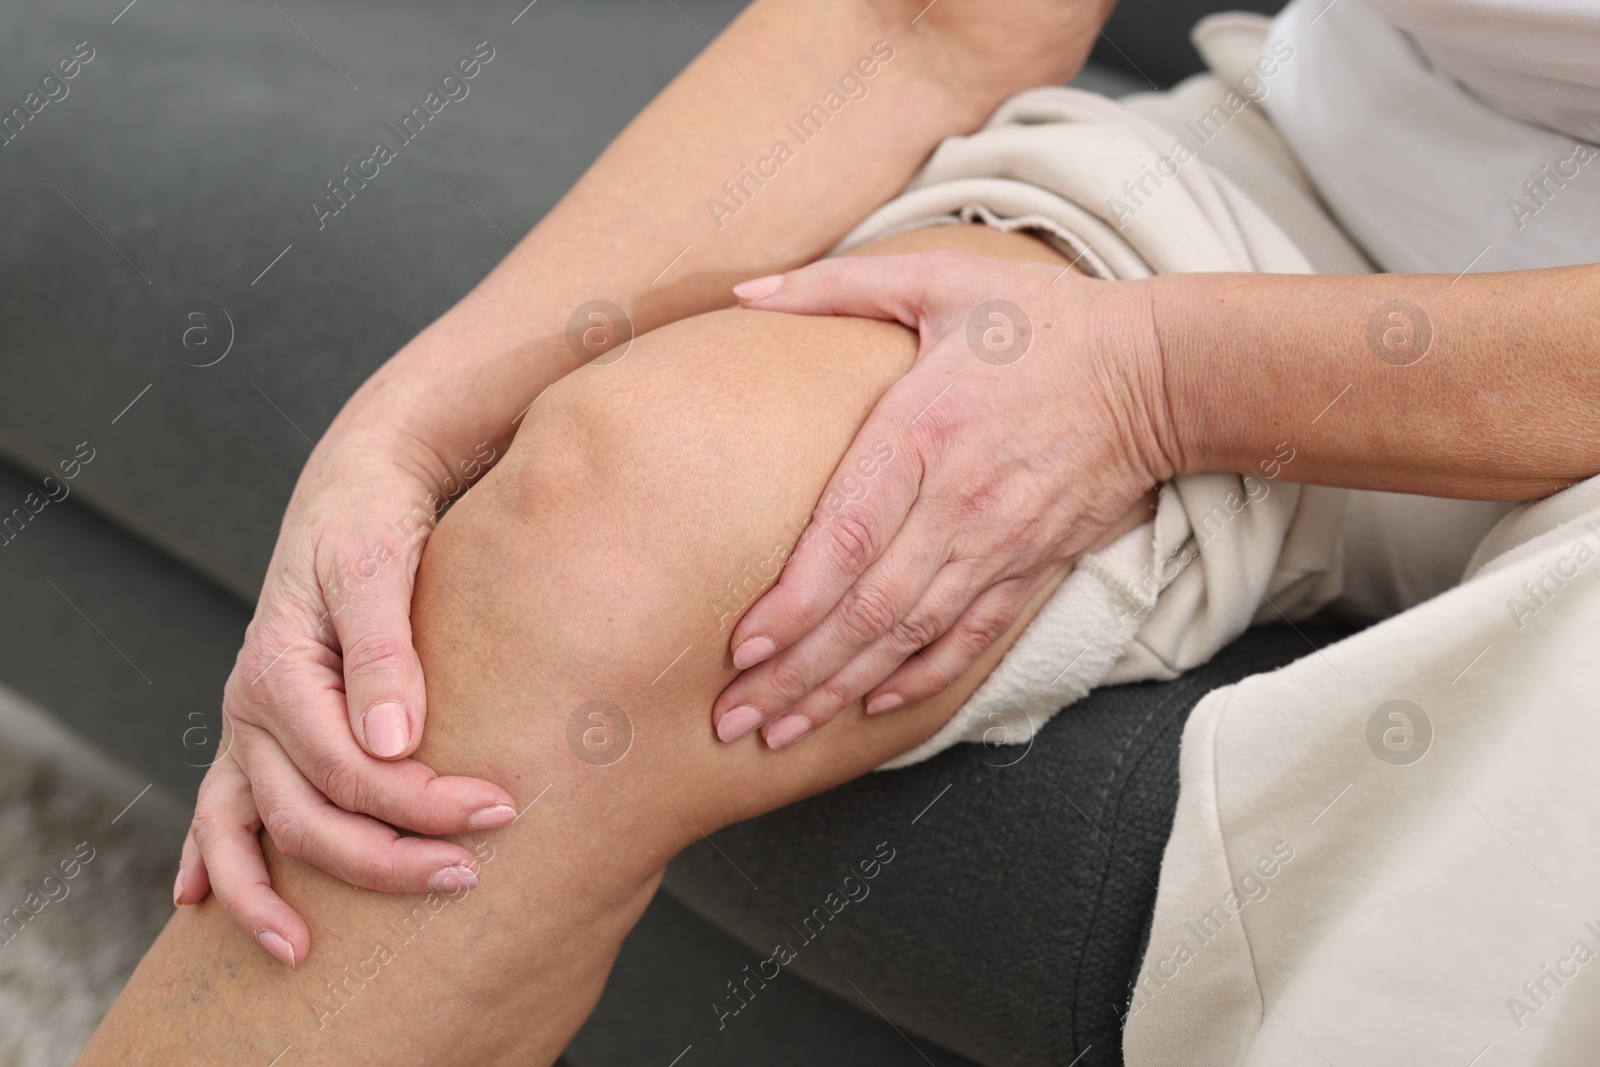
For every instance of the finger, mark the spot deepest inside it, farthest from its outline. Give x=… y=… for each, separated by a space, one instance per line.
x=874 y=287
x=194 y=881
x=945 y=599
x=863 y=506
x=308 y=709
x=224 y=831
x=879 y=609
x=933 y=670
x=369 y=604
x=353 y=848
x=403 y=793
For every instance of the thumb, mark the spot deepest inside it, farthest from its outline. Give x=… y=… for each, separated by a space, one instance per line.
x=873 y=287
x=370 y=612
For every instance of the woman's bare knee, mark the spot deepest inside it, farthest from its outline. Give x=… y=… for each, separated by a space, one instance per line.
x=587 y=587
x=608 y=556
x=644 y=505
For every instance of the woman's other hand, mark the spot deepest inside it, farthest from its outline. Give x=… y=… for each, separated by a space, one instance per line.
x=1033 y=419
x=326 y=701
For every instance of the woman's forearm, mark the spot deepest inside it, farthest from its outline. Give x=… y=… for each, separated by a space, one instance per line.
x=696 y=193
x=1485 y=386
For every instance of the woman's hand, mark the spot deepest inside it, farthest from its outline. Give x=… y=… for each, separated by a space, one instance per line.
x=1033 y=418
x=326 y=700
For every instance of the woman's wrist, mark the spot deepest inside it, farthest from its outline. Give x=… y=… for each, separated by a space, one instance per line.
x=1196 y=372
x=459 y=388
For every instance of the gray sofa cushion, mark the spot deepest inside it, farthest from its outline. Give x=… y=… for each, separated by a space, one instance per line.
x=126 y=645
x=183 y=161
x=674 y=966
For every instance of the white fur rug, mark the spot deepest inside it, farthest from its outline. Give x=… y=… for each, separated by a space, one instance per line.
x=85 y=883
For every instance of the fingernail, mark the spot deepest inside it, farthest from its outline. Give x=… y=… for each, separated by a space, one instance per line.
x=278 y=945
x=738 y=722
x=753 y=650
x=387 y=728
x=491 y=818
x=450 y=879
x=884 y=702
x=758 y=288
x=787 y=730
x=177 y=888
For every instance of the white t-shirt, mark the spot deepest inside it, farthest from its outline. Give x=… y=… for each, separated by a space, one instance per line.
x=1448 y=135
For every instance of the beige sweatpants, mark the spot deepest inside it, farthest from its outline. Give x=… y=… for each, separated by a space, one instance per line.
x=1383 y=852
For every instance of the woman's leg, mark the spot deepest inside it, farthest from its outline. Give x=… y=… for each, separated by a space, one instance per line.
x=572 y=607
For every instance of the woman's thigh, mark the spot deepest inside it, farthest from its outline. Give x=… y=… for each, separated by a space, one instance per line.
x=572 y=614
